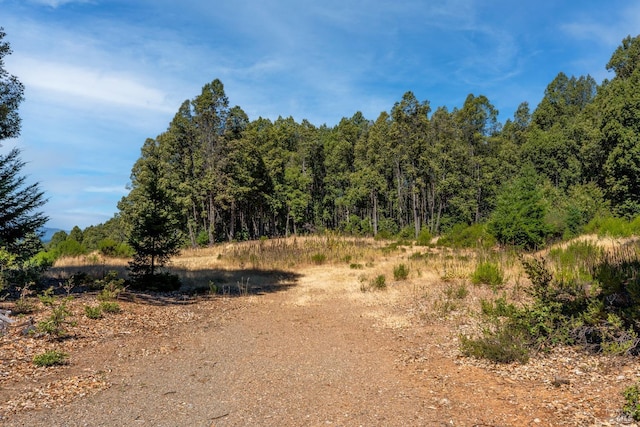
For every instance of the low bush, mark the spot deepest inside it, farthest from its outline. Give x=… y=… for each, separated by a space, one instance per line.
x=631 y=406
x=93 y=312
x=506 y=345
x=488 y=273
x=318 y=258
x=400 y=272
x=424 y=238
x=110 y=307
x=50 y=358
x=468 y=236
x=380 y=282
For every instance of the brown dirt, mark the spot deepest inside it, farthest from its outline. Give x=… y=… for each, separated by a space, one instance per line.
x=319 y=352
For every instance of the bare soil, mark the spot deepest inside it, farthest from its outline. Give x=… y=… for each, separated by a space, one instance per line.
x=313 y=350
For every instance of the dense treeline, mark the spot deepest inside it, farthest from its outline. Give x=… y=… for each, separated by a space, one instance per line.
x=224 y=177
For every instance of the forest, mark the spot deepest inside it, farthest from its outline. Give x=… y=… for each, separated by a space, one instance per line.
x=215 y=175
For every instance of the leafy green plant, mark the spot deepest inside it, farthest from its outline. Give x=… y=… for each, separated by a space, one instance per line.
x=318 y=258
x=505 y=345
x=55 y=325
x=111 y=286
x=50 y=358
x=93 y=312
x=424 y=238
x=488 y=273
x=467 y=236
x=400 y=272
x=631 y=406
x=379 y=282
x=110 y=307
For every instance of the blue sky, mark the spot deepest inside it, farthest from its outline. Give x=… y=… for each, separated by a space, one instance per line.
x=101 y=76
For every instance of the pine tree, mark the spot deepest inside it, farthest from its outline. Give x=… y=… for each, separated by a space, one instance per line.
x=153 y=218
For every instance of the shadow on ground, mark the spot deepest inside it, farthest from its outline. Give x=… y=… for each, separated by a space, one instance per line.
x=195 y=283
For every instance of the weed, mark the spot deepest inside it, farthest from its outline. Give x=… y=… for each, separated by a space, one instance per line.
x=213 y=288
x=631 y=406
x=55 y=325
x=243 y=287
x=111 y=286
x=23 y=305
x=356 y=266
x=110 y=307
x=505 y=345
x=488 y=273
x=400 y=272
x=50 y=358
x=380 y=282
x=318 y=258
x=456 y=292
x=93 y=312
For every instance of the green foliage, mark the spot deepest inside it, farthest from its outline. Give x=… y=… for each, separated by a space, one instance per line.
x=93 y=312
x=458 y=292
x=424 y=237
x=70 y=248
x=379 y=282
x=468 y=236
x=488 y=273
x=519 y=218
x=631 y=405
x=151 y=214
x=111 y=307
x=110 y=248
x=111 y=286
x=504 y=346
x=318 y=258
x=50 y=358
x=55 y=325
x=400 y=272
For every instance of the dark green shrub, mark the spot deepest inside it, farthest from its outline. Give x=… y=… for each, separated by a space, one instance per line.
x=55 y=325
x=400 y=272
x=468 y=236
x=520 y=216
x=631 y=406
x=424 y=238
x=380 y=282
x=488 y=273
x=318 y=258
x=111 y=307
x=92 y=312
x=506 y=345
x=50 y=358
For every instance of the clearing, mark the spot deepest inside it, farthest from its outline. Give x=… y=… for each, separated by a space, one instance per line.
x=311 y=346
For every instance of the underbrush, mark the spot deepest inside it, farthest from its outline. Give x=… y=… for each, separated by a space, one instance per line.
x=292 y=252
x=581 y=295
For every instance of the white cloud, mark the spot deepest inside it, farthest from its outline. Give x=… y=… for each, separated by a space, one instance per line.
x=109 y=189
x=105 y=87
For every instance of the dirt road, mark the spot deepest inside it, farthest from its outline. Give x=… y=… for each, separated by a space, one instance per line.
x=321 y=352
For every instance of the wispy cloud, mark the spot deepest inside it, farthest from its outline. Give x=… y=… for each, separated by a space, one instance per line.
x=57 y=3
x=92 y=84
x=122 y=190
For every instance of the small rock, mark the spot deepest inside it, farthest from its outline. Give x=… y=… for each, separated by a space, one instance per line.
x=558 y=381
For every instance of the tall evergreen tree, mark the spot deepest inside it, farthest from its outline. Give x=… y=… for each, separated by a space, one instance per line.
x=152 y=216
x=20 y=203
